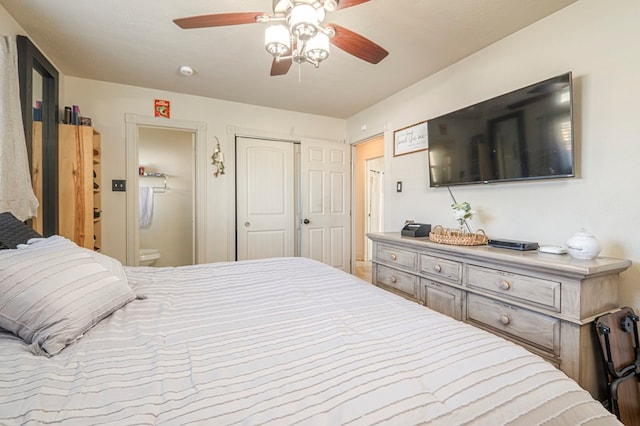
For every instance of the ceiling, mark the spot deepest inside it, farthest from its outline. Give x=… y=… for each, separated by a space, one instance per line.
x=136 y=43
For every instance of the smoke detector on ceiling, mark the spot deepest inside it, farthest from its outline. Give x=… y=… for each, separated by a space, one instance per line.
x=186 y=70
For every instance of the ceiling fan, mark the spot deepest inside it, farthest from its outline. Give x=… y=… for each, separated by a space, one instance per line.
x=296 y=32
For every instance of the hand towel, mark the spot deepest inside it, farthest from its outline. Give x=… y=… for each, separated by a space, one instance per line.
x=146 y=206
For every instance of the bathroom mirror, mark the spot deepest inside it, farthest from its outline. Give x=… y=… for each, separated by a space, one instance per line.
x=39 y=100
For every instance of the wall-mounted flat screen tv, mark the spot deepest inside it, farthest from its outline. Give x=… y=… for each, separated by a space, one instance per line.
x=524 y=134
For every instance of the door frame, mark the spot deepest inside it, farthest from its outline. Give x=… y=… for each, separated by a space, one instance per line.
x=199 y=129
x=354 y=216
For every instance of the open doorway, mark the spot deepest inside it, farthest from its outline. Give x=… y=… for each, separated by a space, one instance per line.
x=166 y=193
x=369 y=200
x=145 y=148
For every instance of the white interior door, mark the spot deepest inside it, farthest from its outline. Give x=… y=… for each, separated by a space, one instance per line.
x=325 y=200
x=265 y=211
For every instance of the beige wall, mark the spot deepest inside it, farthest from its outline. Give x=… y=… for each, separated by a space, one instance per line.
x=598 y=42
x=8 y=25
x=107 y=104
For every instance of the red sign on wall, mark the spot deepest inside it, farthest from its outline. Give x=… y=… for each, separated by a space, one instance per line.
x=162 y=108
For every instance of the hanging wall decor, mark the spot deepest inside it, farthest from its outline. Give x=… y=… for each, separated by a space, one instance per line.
x=162 y=108
x=410 y=139
x=217 y=160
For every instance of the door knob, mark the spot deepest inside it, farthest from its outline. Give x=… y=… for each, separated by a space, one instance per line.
x=247 y=224
x=306 y=221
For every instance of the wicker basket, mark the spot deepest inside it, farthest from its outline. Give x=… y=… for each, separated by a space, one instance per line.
x=457 y=238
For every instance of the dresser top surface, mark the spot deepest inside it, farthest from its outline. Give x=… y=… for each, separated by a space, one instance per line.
x=528 y=258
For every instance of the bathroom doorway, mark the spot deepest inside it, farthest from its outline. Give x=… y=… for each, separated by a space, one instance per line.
x=166 y=186
x=166 y=191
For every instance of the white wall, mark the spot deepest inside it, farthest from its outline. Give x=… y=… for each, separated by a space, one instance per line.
x=598 y=42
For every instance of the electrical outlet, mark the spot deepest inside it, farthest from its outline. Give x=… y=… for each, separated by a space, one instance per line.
x=118 y=185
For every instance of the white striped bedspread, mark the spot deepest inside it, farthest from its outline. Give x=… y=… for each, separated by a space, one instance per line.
x=285 y=342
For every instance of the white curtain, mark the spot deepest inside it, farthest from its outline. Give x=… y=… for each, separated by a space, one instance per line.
x=16 y=192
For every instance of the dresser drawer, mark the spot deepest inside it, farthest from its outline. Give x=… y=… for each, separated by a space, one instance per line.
x=442 y=298
x=533 y=328
x=394 y=256
x=441 y=268
x=399 y=282
x=526 y=289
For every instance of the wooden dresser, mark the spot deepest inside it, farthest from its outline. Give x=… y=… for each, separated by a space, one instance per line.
x=544 y=302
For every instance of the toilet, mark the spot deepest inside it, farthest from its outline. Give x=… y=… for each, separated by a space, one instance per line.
x=148 y=257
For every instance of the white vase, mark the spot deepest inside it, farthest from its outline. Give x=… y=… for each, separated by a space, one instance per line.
x=583 y=245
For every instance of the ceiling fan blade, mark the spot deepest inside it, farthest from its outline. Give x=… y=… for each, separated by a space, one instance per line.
x=217 y=20
x=357 y=45
x=343 y=4
x=280 y=67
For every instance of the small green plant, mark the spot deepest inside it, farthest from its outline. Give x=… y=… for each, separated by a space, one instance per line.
x=462 y=212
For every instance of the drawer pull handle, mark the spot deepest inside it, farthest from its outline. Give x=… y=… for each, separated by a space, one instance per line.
x=505 y=285
x=394 y=257
x=438 y=268
x=505 y=320
x=394 y=280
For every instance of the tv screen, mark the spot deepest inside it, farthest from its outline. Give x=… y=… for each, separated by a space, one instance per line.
x=524 y=134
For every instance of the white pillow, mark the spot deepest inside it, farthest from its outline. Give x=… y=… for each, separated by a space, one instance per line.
x=108 y=262
x=112 y=265
x=52 y=292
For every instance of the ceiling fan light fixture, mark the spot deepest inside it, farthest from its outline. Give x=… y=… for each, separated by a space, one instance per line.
x=330 y=5
x=317 y=49
x=297 y=33
x=303 y=21
x=277 y=40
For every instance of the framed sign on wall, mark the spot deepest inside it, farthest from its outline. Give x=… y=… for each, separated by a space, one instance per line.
x=410 y=139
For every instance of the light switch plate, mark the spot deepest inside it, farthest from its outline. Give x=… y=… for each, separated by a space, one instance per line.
x=119 y=185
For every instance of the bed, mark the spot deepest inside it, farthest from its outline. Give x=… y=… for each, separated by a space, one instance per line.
x=274 y=341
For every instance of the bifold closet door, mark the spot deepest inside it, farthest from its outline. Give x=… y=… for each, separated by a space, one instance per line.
x=265 y=218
